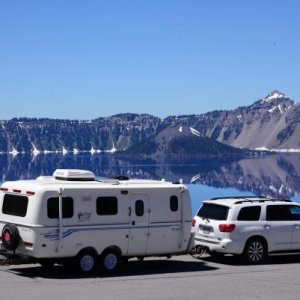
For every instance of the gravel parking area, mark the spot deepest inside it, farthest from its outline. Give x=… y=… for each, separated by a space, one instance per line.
x=182 y=277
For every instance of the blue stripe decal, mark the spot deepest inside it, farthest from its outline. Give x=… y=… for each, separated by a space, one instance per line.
x=54 y=234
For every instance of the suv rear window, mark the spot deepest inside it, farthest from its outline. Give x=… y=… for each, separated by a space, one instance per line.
x=213 y=212
x=15 y=205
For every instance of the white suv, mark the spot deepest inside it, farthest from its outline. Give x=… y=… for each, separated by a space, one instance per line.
x=251 y=226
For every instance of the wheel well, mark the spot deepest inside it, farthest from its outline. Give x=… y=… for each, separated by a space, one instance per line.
x=88 y=249
x=113 y=248
x=259 y=237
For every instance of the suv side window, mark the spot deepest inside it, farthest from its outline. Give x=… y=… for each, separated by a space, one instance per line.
x=279 y=213
x=295 y=211
x=251 y=213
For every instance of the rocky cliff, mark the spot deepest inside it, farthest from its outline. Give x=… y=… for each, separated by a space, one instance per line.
x=270 y=123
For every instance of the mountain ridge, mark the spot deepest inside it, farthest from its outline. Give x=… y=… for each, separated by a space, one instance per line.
x=272 y=122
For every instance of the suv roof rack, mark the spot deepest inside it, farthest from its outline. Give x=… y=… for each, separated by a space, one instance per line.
x=262 y=200
x=243 y=199
x=240 y=197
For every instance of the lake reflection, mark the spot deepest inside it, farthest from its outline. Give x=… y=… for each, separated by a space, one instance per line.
x=275 y=175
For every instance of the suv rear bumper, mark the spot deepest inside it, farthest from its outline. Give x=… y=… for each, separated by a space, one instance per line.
x=223 y=246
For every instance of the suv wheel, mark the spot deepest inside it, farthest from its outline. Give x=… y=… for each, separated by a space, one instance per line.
x=255 y=251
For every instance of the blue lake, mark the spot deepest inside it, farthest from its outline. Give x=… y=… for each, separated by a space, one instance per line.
x=276 y=175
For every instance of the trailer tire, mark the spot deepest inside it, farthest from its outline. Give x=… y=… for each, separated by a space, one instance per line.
x=86 y=261
x=10 y=237
x=110 y=260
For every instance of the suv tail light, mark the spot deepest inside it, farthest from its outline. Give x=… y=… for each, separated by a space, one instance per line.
x=226 y=227
x=193 y=222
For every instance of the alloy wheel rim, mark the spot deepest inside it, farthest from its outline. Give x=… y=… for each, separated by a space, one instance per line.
x=110 y=261
x=256 y=251
x=87 y=263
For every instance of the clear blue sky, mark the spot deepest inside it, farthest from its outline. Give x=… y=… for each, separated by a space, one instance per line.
x=82 y=59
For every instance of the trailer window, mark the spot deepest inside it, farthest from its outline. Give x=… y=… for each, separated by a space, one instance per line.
x=139 y=208
x=15 y=205
x=173 y=203
x=107 y=206
x=67 y=207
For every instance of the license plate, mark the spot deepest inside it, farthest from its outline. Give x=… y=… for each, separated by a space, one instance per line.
x=206 y=229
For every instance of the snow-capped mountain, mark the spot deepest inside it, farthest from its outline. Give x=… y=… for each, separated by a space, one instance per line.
x=269 y=123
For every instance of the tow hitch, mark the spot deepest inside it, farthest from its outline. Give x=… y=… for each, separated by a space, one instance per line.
x=199 y=250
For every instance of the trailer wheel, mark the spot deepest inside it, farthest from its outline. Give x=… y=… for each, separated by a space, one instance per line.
x=86 y=261
x=10 y=237
x=110 y=260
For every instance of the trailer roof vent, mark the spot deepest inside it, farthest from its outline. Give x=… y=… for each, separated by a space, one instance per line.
x=74 y=175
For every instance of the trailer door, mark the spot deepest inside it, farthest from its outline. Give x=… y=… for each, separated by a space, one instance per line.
x=139 y=224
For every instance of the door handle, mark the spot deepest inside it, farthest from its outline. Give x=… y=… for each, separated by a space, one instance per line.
x=296 y=226
x=267 y=227
x=129 y=211
x=133 y=223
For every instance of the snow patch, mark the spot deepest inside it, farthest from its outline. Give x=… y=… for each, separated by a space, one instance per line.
x=272 y=188
x=291 y=150
x=272 y=109
x=281 y=189
x=180 y=129
x=93 y=151
x=195 y=132
x=275 y=108
x=35 y=151
x=64 y=151
x=113 y=149
x=48 y=151
x=14 y=152
x=195 y=178
x=273 y=95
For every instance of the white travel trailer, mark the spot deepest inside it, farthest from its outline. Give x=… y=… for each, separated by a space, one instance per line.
x=74 y=218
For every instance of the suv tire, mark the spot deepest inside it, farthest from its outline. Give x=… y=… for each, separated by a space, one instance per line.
x=255 y=251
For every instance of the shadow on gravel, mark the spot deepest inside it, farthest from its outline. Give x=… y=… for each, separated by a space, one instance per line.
x=238 y=260
x=131 y=268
